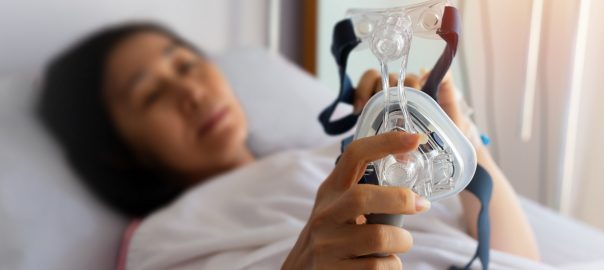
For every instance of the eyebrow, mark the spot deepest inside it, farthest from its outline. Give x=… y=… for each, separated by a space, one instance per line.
x=139 y=75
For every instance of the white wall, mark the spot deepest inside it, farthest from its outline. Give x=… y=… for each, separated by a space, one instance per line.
x=32 y=30
x=589 y=185
x=505 y=25
x=536 y=167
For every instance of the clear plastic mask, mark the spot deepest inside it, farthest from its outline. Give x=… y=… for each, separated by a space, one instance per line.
x=437 y=169
x=446 y=163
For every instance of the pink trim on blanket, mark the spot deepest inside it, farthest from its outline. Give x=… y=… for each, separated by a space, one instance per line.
x=125 y=244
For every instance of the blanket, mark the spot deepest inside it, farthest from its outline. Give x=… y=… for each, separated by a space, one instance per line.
x=251 y=217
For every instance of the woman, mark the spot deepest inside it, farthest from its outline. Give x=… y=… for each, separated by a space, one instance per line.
x=144 y=116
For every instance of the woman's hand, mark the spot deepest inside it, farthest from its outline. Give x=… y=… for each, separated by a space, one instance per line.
x=335 y=236
x=371 y=83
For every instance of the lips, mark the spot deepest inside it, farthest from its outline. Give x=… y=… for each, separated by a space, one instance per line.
x=215 y=118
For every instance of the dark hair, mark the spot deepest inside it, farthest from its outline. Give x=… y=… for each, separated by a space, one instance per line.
x=72 y=109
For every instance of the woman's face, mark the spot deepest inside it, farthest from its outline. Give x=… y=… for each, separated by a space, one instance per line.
x=173 y=107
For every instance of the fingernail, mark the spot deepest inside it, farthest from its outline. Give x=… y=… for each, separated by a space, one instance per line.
x=423 y=138
x=421 y=204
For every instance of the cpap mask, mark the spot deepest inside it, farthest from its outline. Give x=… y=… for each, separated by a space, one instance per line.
x=445 y=164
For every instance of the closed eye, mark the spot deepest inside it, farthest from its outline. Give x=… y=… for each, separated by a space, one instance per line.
x=154 y=95
x=186 y=67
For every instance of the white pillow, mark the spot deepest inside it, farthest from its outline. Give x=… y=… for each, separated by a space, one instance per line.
x=49 y=221
x=282 y=102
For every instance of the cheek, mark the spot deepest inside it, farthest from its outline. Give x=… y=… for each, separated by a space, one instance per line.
x=241 y=119
x=240 y=124
x=164 y=126
x=221 y=91
x=224 y=90
x=167 y=136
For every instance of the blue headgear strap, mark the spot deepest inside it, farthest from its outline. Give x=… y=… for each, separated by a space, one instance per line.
x=344 y=41
x=449 y=32
x=482 y=187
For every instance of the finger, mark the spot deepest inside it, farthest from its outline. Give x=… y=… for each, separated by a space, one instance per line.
x=373 y=199
x=424 y=75
x=363 y=240
x=392 y=79
x=378 y=85
x=412 y=80
x=391 y=262
x=447 y=99
x=423 y=71
x=365 y=88
x=423 y=78
x=448 y=77
x=353 y=161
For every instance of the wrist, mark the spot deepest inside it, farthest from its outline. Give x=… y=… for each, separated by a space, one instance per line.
x=483 y=156
x=297 y=254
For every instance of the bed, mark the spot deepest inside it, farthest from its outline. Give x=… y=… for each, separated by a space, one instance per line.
x=49 y=221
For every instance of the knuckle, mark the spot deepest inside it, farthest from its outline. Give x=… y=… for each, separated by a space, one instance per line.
x=405 y=199
x=324 y=187
x=316 y=223
x=391 y=137
x=379 y=238
x=373 y=72
x=400 y=137
x=357 y=197
x=404 y=194
x=351 y=153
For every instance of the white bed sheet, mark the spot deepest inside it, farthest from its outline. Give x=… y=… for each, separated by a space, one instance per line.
x=564 y=241
x=250 y=219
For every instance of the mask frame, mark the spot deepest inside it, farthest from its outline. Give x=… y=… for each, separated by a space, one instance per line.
x=395 y=27
x=444 y=140
x=345 y=40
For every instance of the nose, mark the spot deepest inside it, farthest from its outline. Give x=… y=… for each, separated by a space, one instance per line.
x=187 y=92
x=190 y=96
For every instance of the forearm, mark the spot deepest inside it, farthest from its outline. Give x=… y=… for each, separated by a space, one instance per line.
x=510 y=229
